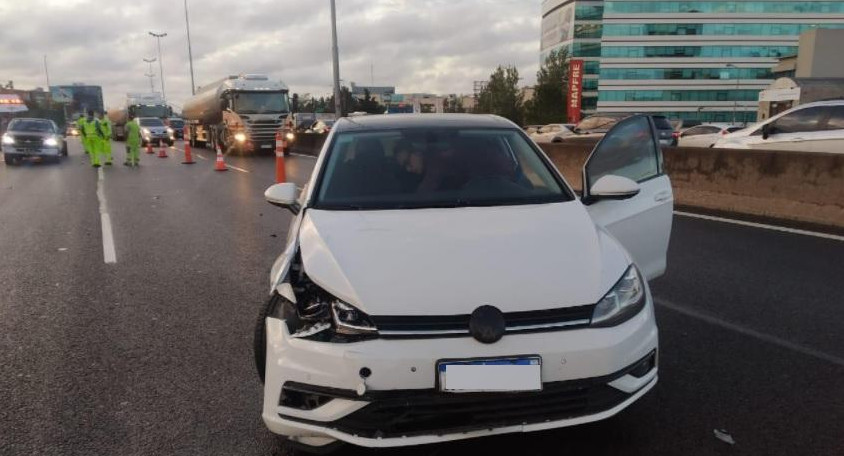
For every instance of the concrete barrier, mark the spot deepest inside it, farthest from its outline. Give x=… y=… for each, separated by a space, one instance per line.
x=803 y=187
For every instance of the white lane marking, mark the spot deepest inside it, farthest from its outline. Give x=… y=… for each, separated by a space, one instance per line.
x=762 y=225
x=302 y=155
x=193 y=153
x=109 y=251
x=237 y=169
x=782 y=343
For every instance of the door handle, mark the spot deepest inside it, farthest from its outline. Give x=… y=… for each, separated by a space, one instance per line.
x=662 y=196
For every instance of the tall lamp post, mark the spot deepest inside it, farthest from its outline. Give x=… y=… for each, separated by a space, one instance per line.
x=735 y=99
x=190 y=54
x=335 y=54
x=158 y=37
x=150 y=75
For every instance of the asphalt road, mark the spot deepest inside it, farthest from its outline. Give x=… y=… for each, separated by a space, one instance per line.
x=151 y=355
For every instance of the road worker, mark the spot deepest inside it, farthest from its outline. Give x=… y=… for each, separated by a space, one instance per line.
x=83 y=138
x=133 y=141
x=105 y=138
x=90 y=130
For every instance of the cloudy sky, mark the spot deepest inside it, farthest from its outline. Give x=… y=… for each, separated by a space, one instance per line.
x=437 y=46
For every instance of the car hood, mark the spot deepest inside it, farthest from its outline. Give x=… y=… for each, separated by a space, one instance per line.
x=451 y=261
x=34 y=134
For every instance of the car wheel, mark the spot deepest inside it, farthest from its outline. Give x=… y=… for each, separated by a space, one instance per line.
x=260 y=339
x=10 y=160
x=64 y=150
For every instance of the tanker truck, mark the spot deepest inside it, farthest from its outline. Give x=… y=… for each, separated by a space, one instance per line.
x=141 y=105
x=240 y=113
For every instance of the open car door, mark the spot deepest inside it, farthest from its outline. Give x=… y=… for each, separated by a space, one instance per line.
x=638 y=211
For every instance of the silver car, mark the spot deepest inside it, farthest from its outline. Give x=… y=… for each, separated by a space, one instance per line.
x=153 y=130
x=27 y=137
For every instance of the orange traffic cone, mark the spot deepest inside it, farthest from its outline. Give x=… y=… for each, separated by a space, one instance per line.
x=280 y=172
x=186 y=145
x=162 y=153
x=220 y=164
x=149 y=147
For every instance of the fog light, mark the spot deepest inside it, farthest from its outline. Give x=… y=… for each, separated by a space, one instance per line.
x=239 y=137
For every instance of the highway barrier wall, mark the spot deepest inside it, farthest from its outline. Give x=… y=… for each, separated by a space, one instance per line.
x=805 y=187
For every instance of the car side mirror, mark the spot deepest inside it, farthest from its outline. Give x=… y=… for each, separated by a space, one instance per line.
x=614 y=188
x=766 y=130
x=283 y=195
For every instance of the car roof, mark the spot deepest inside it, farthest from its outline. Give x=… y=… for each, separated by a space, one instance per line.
x=32 y=118
x=836 y=102
x=399 y=121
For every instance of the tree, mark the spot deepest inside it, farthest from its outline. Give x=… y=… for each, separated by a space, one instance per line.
x=453 y=105
x=549 y=99
x=368 y=104
x=501 y=95
x=294 y=103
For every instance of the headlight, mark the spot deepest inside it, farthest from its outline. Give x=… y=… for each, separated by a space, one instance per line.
x=169 y=130
x=51 y=142
x=240 y=137
x=146 y=131
x=290 y=136
x=8 y=139
x=322 y=317
x=625 y=299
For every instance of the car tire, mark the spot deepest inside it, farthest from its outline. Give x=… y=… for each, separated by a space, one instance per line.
x=64 y=150
x=260 y=339
x=10 y=160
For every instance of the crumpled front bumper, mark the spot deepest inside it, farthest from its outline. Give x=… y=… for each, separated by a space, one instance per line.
x=314 y=391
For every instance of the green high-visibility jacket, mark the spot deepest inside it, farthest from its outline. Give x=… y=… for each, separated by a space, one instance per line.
x=105 y=128
x=90 y=128
x=133 y=133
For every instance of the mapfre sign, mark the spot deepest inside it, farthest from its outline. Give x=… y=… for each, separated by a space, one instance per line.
x=575 y=90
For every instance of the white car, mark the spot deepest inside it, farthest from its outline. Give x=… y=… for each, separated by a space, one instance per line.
x=810 y=127
x=552 y=133
x=705 y=135
x=442 y=281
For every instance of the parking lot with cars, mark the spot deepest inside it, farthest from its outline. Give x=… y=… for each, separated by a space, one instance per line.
x=100 y=362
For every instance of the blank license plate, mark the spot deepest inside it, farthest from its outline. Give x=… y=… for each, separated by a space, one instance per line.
x=266 y=146
x=491 y=375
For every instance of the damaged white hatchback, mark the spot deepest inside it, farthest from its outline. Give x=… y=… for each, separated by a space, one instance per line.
x=442 y=281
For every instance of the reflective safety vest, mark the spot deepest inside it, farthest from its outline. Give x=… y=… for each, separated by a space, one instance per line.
x=105 y=128
x=90 y=127
x=133 y=133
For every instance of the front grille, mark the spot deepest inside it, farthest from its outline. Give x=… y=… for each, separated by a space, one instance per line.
x=263 y=130
x=458 y=325
x=28 y=141
x=423 y=412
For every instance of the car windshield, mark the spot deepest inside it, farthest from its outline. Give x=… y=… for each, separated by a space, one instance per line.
x=260 y=102
x=33 y=125
x=421 y=168
x=177 y=123
x=595 y=123
x=150 y=122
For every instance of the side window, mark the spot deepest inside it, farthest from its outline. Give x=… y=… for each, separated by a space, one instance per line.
x=836 y=118
x=801 y=121
x=694 y=131
x=629 y=150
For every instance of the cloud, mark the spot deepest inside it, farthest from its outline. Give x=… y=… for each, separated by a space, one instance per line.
x=434 y=46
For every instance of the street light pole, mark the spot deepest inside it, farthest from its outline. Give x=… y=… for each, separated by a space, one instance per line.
x=150 y=75
x=335 y=53
x=158 y=37
x=190 y=54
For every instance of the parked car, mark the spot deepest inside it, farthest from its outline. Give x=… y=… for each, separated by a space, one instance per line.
x=438 y=273
x=321 y=127
x=177 y=125
x=30 y=137
x=596 y=125
x=154 y=131
x=552 y=133
x=531 y=129
x=811 y=127
x=705 y=135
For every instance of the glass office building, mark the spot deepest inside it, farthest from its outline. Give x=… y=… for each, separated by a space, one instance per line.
x=700 y=60
x=576 y=27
